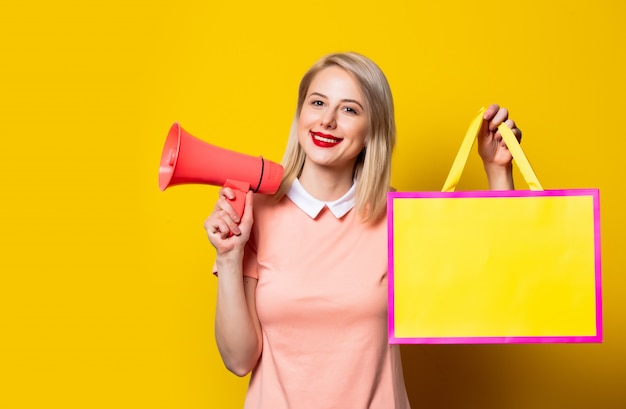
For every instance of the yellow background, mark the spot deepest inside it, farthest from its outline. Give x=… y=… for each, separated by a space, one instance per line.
x=106 y=296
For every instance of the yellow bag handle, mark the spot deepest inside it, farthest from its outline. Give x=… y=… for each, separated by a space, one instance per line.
x=511 y=143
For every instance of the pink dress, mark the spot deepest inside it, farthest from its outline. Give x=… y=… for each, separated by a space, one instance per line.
x=322 y=304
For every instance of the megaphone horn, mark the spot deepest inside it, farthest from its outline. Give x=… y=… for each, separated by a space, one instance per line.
x=187 y=159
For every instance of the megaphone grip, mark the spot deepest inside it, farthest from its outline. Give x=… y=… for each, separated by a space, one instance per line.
x=239 y=189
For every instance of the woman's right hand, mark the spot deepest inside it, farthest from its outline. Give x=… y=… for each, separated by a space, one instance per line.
x=237 y=327
x=223 y=227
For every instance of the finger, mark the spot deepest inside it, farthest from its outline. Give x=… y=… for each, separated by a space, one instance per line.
x=516 y=131
x=499 y=117
x=224 y=194
x=231 y=222
x=216 y=228
x=223 y=205
x=491 y=111
x=497 y=137
x=518 y=134
x=510 y=123
x=221 y=222
x=227 y=192
x=247 y=211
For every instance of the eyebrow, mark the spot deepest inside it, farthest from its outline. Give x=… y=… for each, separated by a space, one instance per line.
x=354 y=101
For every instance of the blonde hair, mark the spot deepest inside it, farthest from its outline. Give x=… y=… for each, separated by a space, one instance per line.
x=372 y=170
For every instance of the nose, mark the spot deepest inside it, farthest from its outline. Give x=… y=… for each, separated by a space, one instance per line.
x=328 y=120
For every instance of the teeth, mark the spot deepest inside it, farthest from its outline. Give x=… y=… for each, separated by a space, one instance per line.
x=327 y=140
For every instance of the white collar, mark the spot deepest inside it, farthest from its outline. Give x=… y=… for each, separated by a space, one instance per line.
x=312 y=206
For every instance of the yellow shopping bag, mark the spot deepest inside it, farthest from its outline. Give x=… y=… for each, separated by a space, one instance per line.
x=517 y=266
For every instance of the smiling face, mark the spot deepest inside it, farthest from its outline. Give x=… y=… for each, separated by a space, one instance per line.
x=333 y=121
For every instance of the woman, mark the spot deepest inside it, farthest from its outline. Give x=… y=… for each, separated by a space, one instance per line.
x=302 y=287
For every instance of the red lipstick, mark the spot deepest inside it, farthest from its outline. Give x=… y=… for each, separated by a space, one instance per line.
x=324 y=140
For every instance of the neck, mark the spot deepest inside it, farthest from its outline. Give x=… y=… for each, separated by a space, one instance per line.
x=324 y=183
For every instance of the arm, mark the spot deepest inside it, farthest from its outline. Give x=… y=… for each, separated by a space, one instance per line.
x=497 y=160
x=237 y=327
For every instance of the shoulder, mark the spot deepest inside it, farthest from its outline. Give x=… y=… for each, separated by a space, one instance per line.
x=264 y=202
x=267 y=206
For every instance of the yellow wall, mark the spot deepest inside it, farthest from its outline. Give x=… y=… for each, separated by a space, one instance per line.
x=106 y=296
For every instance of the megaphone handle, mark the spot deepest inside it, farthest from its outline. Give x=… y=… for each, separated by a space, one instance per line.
x=240 y=189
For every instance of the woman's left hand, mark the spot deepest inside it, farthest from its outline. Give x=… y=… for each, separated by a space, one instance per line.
x=491 y=146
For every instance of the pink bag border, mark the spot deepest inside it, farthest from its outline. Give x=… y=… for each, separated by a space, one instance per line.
x=594 y=193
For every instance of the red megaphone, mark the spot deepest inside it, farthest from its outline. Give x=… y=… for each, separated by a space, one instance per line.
x=186 y=159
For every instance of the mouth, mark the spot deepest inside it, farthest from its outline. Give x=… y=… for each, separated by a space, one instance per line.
x=324 y=140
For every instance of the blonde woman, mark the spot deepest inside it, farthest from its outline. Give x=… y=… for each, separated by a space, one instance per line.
x=302 y=279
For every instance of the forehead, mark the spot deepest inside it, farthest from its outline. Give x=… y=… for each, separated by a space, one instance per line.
x=335 y=82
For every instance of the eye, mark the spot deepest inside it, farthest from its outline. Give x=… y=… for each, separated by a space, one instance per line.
x=317 y=103
x=350 y=110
